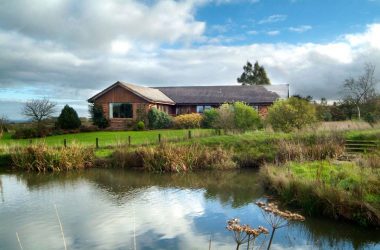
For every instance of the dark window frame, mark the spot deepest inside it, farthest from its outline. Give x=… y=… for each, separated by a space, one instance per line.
x=122 y=110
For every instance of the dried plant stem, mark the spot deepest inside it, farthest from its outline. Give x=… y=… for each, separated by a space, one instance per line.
x=134 y=228
x=209 y=244
x=19 y=242
x=60 y=224
x=271 y=238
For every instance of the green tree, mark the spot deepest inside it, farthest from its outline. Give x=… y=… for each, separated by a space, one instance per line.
x=255 y=75
x=68 y=119
x=290 y=114
x=97 y=116
x=245 y=117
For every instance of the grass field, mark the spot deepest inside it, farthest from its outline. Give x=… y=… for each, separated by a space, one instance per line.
x=347 y=190
x=109 y=138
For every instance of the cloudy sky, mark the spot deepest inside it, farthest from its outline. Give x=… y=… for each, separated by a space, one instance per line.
x=67 y=50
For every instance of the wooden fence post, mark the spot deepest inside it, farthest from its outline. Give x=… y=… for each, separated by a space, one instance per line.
x=129 y=140
x=64 y=143
x=97 y=142
x=159 y=138
x=189 y=134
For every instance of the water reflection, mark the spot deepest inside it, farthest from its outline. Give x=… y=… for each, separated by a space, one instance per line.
x=113 y=209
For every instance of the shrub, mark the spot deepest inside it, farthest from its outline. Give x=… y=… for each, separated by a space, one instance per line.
x=97 y=115
x=193 y=120
x=91 y=128
x=142 y=113
x=140 y=125
x=209 y=118
x=245 y=117
x=39 y=157
x=290 y=114
x=158 y=119
x=68 y=119
x=4 y=123
x=26 y=133
x=173 y=158
x=225 y=118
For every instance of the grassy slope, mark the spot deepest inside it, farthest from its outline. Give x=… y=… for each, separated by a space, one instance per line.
x=370 y=134
x=109 y=137
x=334 y=189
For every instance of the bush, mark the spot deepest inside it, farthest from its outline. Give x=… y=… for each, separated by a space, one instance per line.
x=193 y=120
x=237 y=116
x=290 y=114
x=39 y=157
x=225 y=118
x=245 y=117
x=140 y=125
x=91 y=128
x=97 y=116
x=173 y=158
x=209 y=118
x=68 y=119
x=26 y=133
x=158 y=119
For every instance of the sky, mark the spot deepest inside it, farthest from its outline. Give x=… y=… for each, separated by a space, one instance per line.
x=68 y=50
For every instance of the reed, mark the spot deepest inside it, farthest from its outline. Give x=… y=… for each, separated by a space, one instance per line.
x=39 y=157
x=310 y=148
x=173 y=158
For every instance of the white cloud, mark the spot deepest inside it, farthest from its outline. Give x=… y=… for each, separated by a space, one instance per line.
x=273 y=19
x=252 y=32
x=301 y=28
x=370 y=38
x=73 y=63
x=120 y=47
x=96 y=23
x=273 y=33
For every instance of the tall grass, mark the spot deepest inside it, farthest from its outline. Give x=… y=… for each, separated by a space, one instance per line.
x=310 y=148
x=39 y=157
x=338 y=190
x=173 y=158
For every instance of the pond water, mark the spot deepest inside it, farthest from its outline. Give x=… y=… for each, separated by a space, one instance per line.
x=117 y=209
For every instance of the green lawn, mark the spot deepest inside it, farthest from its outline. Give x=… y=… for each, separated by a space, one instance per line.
x=370 y=134
x=107 y=138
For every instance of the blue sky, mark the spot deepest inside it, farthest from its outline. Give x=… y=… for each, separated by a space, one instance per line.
x=295 y=21
x=68 y=50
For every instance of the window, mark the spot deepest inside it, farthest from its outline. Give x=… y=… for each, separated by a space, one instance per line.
x=121 y=110
x=202 y=108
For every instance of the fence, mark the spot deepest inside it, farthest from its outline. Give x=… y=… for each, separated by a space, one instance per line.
x=160 y=138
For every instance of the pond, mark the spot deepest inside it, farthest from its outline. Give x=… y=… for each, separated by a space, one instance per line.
x=118 y=209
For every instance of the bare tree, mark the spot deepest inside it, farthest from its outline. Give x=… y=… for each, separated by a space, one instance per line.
x=3 y=125
x=361 y=90
x=39 y=109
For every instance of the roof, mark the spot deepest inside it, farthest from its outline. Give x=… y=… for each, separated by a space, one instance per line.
x=229 y=93
x=148 y=94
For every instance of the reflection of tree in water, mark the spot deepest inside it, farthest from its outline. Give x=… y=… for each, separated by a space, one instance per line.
x=1 y=190
x=341 y=235
x=237 y=188
x=227 y=186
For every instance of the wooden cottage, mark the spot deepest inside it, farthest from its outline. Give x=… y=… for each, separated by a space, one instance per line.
x=122 y=102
